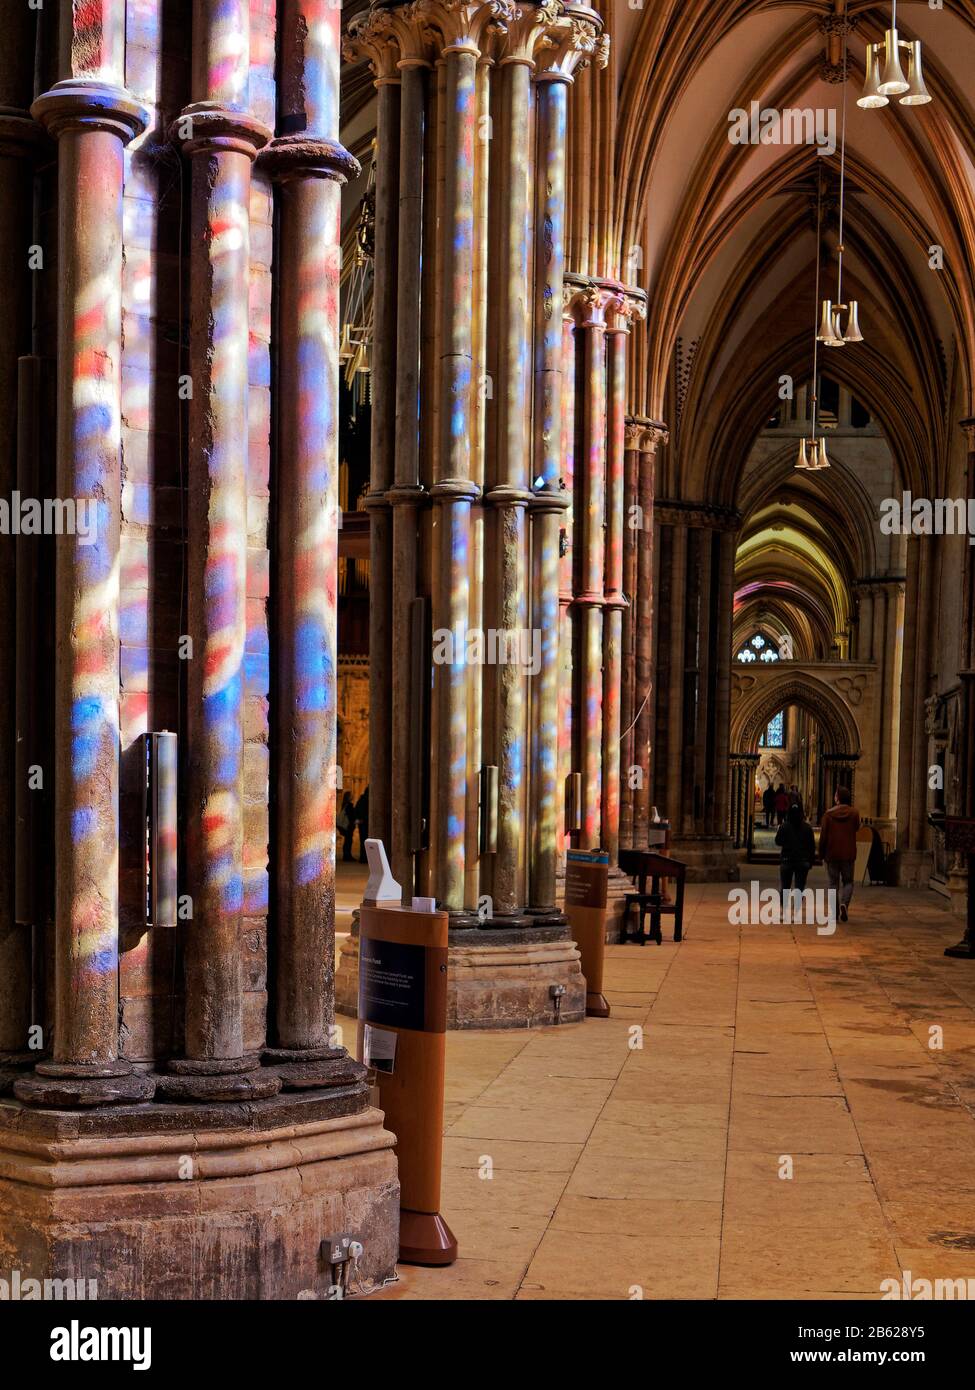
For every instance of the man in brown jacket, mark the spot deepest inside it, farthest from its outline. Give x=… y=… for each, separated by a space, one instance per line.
x=838 y=846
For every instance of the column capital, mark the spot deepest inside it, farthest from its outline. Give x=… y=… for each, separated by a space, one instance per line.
x=575 y=41
x=968 y=426
x=627 y=306
x=644 y=434
x=205 y=126
x=420 y=32
x=300 y=156
x=587 y=302
x=528 y=32
x=391 y=37
x=84 y=104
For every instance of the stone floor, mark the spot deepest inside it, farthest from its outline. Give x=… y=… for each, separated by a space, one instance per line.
x=644 y=1155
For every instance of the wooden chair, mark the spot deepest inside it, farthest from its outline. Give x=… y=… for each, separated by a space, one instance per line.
x=643 y=865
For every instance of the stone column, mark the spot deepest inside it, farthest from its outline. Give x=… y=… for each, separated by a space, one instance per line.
x=453 y=491
x=406 y=494
x=720 y=808
x=310 y=166
x=92 y=117
x=961 y=877
x=377 y=37
x=508 y=477
x=673 y=708
x=697 y=660
x=590 y=304
x=568 y=614
x=220 y=140
x=631 y=472
x=614 y=599
x=20 y=137
x=551 y=501
x=652 y=434
x=912 y=762
x=694 y=711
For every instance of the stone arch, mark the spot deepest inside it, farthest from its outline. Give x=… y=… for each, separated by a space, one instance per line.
x=789 y=687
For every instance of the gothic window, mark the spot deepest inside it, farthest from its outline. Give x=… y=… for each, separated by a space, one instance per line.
x=774 y=736
x=758 y=648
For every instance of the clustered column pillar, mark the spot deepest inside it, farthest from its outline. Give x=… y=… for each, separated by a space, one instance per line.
x=20 y=138
x=590 y=306
x=477 y=488
x=551 y=444
x=406 y=493
x=614 y=600
x=310 y=166
x=220 y=139
x=92 y=117
x=648 y=435
x=383 y=53
x=507 y=492
x=691 y=781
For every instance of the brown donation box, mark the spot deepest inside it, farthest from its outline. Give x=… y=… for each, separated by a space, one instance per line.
x=586 y=884
x=402 y=1036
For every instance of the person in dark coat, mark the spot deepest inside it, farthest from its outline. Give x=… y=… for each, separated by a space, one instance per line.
x=768 y=805
x=781 y=803
x=362 y=821
x=345 y=825
x=797 y=843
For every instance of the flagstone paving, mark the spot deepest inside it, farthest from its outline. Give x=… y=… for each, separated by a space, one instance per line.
x=768 y=1114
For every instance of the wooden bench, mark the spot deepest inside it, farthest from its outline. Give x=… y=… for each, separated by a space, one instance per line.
x=644 y=865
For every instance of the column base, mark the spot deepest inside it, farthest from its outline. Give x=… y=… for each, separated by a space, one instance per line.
x=912 y=868
x=617 y=888
x=965 y=950
x=312 y=1068
x=497 y=978
x=425 y=1239
x=217 y=1079
x=197 y=1202
x=67 y=1085
x=709 y=858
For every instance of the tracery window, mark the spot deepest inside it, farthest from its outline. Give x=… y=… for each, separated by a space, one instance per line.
x=758 y=648
x=774 y=736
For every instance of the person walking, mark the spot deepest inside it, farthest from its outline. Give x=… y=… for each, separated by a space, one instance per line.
x=781 y=803
x=795 y=796
x=362 y=821
x=345 y=825
x=768 y=804
x=797 y=842
x=838 y=846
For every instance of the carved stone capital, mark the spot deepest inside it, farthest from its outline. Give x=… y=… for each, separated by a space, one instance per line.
x=466 y=27
x=573 y=42
x=644 y=434
x=589 y=302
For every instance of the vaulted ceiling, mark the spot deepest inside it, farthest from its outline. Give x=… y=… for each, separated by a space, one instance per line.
x=726 y=233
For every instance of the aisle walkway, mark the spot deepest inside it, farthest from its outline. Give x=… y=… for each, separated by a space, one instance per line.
x=619 y=1170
